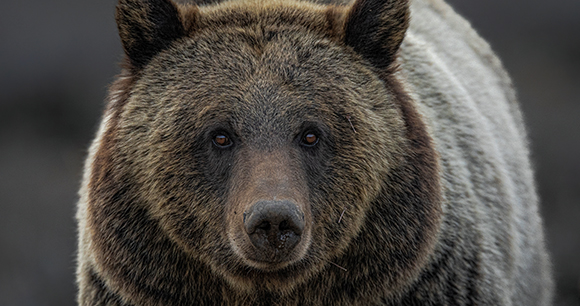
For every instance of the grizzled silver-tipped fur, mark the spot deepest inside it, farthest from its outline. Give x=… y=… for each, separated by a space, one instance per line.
x=281 y=152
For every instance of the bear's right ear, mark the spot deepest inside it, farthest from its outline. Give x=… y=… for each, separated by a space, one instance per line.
x=147 y=27
x=376 y=28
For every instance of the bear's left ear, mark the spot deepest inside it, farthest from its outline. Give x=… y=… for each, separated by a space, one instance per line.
x=147 y=27
x=376 y=28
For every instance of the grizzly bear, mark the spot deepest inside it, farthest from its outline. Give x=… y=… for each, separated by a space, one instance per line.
x=282 y=152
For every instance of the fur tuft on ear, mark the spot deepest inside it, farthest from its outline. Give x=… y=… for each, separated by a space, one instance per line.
x=147 y=27
x=376 y=28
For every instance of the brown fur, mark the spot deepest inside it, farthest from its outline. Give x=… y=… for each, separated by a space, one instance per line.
x=161 y=220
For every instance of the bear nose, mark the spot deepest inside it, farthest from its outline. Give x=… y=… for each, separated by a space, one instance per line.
x=274 y=227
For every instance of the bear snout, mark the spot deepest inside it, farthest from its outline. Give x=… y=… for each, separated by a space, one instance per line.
x=274 y=228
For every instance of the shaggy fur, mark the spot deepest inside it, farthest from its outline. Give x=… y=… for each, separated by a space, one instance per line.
x=419 y=190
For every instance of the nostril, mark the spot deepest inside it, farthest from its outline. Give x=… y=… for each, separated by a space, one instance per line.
x=284 y=225
x=265 y=226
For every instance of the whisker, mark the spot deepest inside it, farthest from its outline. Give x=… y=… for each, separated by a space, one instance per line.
x=352 y=126
x=338 y=266
x=341 y=215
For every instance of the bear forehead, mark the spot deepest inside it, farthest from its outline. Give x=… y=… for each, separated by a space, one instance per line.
x=252 y=73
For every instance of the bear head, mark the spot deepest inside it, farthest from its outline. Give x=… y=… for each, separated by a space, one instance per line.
x=268 y=141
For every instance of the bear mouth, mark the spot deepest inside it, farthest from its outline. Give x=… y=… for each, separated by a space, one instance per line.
x=273 y=254
x=274 y=248
x=269 y=252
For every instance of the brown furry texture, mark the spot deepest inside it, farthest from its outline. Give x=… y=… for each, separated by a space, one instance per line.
x=161 y=209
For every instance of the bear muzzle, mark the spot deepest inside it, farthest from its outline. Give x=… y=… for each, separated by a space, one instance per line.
x=274 y=229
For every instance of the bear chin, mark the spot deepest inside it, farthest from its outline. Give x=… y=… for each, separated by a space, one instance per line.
x=281 y=278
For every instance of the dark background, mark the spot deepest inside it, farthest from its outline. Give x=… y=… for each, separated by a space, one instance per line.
x=57 y=58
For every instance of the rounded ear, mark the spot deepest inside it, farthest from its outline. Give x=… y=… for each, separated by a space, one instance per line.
x=147 y=27
x=376 y=28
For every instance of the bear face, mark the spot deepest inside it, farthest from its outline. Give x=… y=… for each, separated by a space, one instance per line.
x=256 y=87
x=258 y=147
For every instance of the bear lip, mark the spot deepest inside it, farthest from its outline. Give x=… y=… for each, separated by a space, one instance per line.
x=274 y=258
x=277 y=249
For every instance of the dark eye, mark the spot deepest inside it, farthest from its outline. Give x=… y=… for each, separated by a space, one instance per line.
x=222 y=141
x=310 y=139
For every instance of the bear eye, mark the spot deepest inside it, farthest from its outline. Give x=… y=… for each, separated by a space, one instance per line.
x=310 y=139
x=222 y=141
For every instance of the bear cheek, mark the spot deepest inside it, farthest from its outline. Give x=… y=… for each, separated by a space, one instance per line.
x=268 y=214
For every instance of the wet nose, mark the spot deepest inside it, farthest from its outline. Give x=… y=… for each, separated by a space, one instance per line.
x=274 y=227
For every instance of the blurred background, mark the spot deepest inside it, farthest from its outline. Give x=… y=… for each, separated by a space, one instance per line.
x=57 y=58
